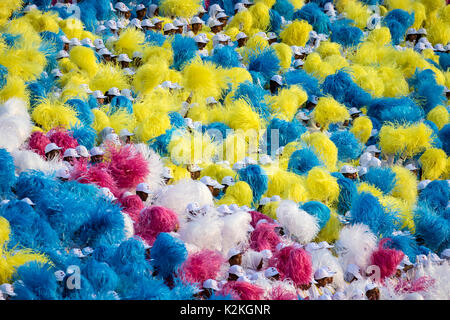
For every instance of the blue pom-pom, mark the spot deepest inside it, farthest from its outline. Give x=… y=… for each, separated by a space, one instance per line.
x=303 y=79
x=432 y=228
x=254 y=95
x=226 y=57
x=184 y=49
x=382 y=178
x=444 y=136
x=7 y=173
x=319 y=210
x=286 y=131
x=265 y=62
x=216 y=130
x=315 y=17
x=84 y=111
x=85 y=136
x=256 y=178
x=346 y=35
x=303 y=160
x=436 y=195
x=347 y=193
x=176 y=120
x=444 y=61
x=35 y=281
x=168 y=253
x=349 y=148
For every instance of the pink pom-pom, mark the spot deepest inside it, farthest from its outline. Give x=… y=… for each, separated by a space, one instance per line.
x=420 y=284
x=79 y=168
x=100 y=176
x=293 y=263
x=62 y=138
x=154 y=220
x=264 y=237
x=241 y=290
x=37 y=142
x=201 y=266
x=256 y=216
x=132 y=205
x=386 y=259
x=127 y=166
x=279 y=293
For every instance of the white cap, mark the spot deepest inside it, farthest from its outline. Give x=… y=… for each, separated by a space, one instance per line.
x=62 y=54
x=245 y=208
x=75 y=42
x=214 y=22
x=199 y=38
x=210 y=100
x=211 y=284
x=224 y=209
x=97 y=151
x=207 y=180
x=423 y=184
x=312 y=246
x=303 y=116
x=140 y=7
x=313 y=99
x=439 y=47
x=373 y=148
x=51 y=146
x=98 y=94
x=196 y=20
x=143 y=187
x=370 y=286
x=249 y=161
x=121 y=7
x=169 y=26
x=57 y=73
x=193 y=206
x=167 y=173
x=98 y=43
x=270 y=272
x=100 y=29
x=277 y=78
x=265 y=159
x=114 y=92
x=241 y=35
x=63 y=173
x=361 y=171
x=147 y=23
x=87 y=251
x=354 y=270
x=322 y=273
x=8 y=289
x=275 y=198
x=422 y=31
x=70 y=153
x=136 y=23
x=28 y=201
x=77 y=252
x=85 y=87
x=324 y=245
x=411 y=167
x=236 y=270
x=233 y=252
x=104 y=52
x=59 y=275
x=411 y=31
x=87 y=42
x=228 y=180
x=195 y=168
x=271 y=35
x=348 y=169
x=298 y=63
x=221 y=15
x=125 y=133
x=264 y=201
x=353 y=111
x=111 y=24
x=445 y=254
x=64 y=39
x=123 y=57
x=178 y=23
x=105 y=192
x=156 y=20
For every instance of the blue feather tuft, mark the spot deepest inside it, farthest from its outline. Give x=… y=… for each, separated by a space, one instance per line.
x=315 y=17
x=382 y=178
x=286 y=131
x=168 y=253
x=349 y=148
x=318 y=210
x=256 y=178
x=7 y=173
x=303 y=160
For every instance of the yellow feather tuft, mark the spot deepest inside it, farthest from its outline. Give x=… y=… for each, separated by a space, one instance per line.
x=240 y=193
x=362 y=128
x=152 y=126
x=439 y=116
x=186 y=148
x=322 y=186
x=329 y=111
x=85 y=59
x=380 y=36
x=296 y=33
x=130 y=41
x=180 y=8
x=260 y=14
x=324 y=147
x=149 y=76
x=328 y=48
x=330 y=232
x=15 y=88
x=288 y=101
x=101 y=120
x=52 y=113
x=107 y=77
x=434 y=163
x=405 y=186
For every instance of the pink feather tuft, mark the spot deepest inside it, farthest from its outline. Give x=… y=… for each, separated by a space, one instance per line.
x=154 y=220
x=79 y=168
x=201 y=266
x=256 y=216
x=132 y=205
x=279 y=293
x=243 y=290
x=293 y=263
x=37 y=142
x=100 y=176
x=386 y=259
x=420 y=284
x=127 y=166
x=62 y=138
x=264 y=237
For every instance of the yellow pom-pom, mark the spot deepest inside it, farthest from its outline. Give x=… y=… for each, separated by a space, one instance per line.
x=241 y=21
x=328 y=48
x=296 y=33
x=240 y=116
x=322 y=186
x=85 y=59
x=130 y=41
x=152 y=126
x=101 y=120
x=191 y=148
x=270 y=209
x=288 y=101
x=149 y=76
x=217 y=172
x=240 y=193
x=439 y=116
x=380 y=36
x=203 y=78
x=260 y=14
x=330 y=232
x=180 y=8
x=52 y=113
x=15 y=88
x=324 y=147
x=107 y=77
x=329 y=111
x=4 y=230
x=362 y=128
x=365 y=187
x=434 y=163
x=405 y=186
